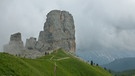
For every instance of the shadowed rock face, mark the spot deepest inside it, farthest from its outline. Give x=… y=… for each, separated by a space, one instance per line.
x=59 y=32
x=30 y=43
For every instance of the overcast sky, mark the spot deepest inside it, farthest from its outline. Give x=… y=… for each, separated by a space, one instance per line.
x=100 y=24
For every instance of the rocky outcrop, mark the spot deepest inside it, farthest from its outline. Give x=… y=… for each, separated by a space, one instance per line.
x=59 y=32
x=30 y=43
x=15 y=45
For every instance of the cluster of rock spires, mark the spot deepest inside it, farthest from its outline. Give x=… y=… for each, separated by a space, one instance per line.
x=59 y=32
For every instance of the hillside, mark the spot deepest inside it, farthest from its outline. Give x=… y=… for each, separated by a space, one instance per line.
x=126 y=73
x=59 y=63
x=121 y=64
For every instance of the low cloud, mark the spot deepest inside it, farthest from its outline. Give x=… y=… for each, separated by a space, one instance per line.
x=100 y=24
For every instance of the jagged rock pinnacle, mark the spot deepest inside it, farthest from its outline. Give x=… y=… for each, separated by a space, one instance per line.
x=59 y=32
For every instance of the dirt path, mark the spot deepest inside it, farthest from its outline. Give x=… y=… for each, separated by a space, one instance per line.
x=51 y=57
x=63 y=58
x=55 y=68
x=55 y=65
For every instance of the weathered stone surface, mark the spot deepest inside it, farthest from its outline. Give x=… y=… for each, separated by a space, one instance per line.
x=30 y=43
x=59 y=32
x=31 y=54
x=15 y=45
x=16 y=37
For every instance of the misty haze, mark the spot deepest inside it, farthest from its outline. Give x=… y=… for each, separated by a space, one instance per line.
x=104 y=31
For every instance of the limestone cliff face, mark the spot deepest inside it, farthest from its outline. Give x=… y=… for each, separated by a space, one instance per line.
x=59 y=32
x=30 y=43
x=15 y=45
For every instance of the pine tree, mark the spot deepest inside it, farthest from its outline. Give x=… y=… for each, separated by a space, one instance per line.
x=91 y=62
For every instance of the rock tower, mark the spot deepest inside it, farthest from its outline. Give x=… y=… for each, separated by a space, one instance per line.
x=15 y=45
x=59 y=32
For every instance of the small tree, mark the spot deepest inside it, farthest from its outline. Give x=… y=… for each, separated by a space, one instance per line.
x=109 y=71
x=91 y=62
x=105 y=68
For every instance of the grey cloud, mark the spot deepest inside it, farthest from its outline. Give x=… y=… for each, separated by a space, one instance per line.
x=100 y=24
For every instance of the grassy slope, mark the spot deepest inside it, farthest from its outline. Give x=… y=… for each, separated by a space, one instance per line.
x=71 y=66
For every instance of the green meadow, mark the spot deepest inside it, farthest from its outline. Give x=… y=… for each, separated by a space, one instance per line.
x=59 y=63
